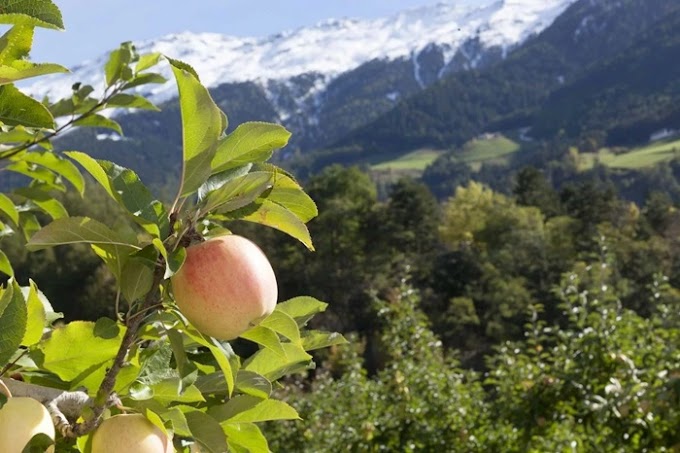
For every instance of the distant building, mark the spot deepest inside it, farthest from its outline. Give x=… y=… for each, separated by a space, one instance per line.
x=662 y=133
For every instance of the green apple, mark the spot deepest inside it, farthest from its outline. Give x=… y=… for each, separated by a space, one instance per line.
x=20 y=419
x=130 y=433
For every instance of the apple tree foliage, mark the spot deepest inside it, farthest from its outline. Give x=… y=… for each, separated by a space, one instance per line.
x=150 y=360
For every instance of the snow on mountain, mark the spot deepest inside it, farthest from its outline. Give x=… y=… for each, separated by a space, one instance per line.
x=331 y=47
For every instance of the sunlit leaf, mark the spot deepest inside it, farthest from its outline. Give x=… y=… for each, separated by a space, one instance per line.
x=40 y=13
x=248 y=409
x=201 y=129
x=65 y=356
x=246 y=436
x=249 y=142
x=302 y=308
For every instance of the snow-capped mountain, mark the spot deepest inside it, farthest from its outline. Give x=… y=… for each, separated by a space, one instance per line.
x=462 y=31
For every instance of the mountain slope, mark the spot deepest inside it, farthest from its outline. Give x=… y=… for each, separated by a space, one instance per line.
x=626 y=98
x=505 y=95
x=325 y=81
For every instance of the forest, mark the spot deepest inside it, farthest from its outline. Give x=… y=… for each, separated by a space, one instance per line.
x=538 y=320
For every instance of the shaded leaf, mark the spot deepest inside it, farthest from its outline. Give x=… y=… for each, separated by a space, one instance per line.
x=59 y=165
x=130 y=101
x=17 y=108
x=96 y=120
x=74 y=230
x=13 y=319
x=237 y=193
x=207 y=432
x=276 y=216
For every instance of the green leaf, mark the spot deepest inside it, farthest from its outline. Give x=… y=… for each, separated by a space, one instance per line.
x=173 y=261
x=253 y=384
x=302 y=308
x=65 y=355
x=283 y=324
x=37 y=173
x=249 y=142
x=201 y=129
x=29 y=224
x=124 y=186
x=5 y=265
x=147 y=61
x=18 y=109
x=136 y=278
x=144 y=79
x=13 y=319
x=237 y=193
x=20 y=70
x=114 y=256
x=59 y=165
x=96 y=120
x=16 y=44
x=220 y=356
x=75 y=230
x=272 y=366
x=37 y=317
x=218 y=180
x=315 y=339
x=266 y=337
x=137 y=199
x=170 y=391
x=39 y=443
x=248 y=409
x=288 y=193
x=43 y=200
x=188 y=371
x=39 y=13
x=184 y=67
x=118 y=61
x=176 y=417
x=207 y=432
x=246 y=436
x=131 y=101
x=271 y=214
x=8 y=208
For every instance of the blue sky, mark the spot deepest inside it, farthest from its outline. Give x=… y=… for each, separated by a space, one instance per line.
x=95 y=26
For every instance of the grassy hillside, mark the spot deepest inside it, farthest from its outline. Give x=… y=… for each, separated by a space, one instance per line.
x=475 y=152
x=636 y=158
x=415 y=160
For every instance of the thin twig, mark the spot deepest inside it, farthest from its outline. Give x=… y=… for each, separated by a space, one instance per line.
x=6 y=368
x=133 y=324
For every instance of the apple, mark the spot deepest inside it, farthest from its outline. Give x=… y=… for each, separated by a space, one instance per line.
x=225 y=286
x=128 y=433
x=22 y=418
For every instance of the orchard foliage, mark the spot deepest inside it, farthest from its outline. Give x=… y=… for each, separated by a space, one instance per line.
x=607 y=380
x=150 y=359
